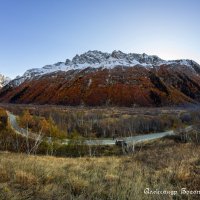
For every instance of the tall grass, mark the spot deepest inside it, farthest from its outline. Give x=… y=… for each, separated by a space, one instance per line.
x=163 y=165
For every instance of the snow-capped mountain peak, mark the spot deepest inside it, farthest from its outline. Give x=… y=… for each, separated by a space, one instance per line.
x=97 y=59
x=4 y=80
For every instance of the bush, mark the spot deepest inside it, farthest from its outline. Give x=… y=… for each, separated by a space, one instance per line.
x=3 y=119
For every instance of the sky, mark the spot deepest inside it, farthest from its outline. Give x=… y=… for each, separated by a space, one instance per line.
x=34 y=33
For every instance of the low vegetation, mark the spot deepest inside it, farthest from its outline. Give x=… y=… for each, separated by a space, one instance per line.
x=162 y=165
x=3 y=119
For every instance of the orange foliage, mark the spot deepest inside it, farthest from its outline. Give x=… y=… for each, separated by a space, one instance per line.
x=118 y=86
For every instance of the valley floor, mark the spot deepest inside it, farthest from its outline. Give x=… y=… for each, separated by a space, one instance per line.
x=158 y=165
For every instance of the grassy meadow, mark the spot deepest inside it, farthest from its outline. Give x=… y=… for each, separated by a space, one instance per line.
x=162 y=165
x=68 y=172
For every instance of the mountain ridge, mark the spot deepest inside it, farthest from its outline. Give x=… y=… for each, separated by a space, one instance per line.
x=117 y=79
x=97 y=59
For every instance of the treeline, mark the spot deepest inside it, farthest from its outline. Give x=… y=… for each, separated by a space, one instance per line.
x=109 y=122
x=12 y=141
x=96 y=123
x=82 y=123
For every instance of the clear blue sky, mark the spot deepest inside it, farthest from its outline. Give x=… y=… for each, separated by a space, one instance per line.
x=34 y=33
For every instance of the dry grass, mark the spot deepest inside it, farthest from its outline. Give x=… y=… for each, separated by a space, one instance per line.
x=159 y=165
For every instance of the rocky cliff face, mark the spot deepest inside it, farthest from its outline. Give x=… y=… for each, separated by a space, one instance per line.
x=96 y=78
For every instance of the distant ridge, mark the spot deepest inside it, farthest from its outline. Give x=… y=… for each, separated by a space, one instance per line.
x=96 y=59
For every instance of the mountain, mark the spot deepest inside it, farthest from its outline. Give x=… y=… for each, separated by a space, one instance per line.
x=97 y=59
x=96 y=78
x=4 y=80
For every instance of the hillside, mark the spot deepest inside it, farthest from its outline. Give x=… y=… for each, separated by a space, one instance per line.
x=118 y=79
